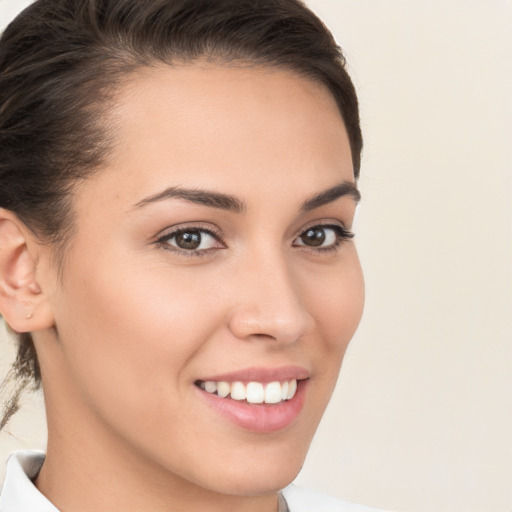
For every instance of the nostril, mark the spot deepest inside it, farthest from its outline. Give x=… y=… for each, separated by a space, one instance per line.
x=263 y=336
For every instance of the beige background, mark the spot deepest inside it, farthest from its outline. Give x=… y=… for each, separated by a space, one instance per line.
x=422 y=418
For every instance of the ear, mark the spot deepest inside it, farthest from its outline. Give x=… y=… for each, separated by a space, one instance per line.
x=23 y=304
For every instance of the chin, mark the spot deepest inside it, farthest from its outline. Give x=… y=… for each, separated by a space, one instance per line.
x=254 y=482
x=267 y=472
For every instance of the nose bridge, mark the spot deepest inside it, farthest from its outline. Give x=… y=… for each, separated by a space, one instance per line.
x=269 y=302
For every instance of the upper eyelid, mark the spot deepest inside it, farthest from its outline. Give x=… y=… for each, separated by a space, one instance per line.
x=324 y=224
x=164 y=237
x=173 y=230
x=346 y=233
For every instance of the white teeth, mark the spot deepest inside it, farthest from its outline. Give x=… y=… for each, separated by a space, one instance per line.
x=253 y=392
x=273 y=393
x=284 y=390
x=237 y=391
x=292 y=388
x=210 y=386
x=223 y=389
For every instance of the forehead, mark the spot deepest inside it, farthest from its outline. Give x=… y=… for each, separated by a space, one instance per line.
x=226 y=127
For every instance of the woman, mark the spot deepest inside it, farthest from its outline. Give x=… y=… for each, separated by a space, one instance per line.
x=177 y=188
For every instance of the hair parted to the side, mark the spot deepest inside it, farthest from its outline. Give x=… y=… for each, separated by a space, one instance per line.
x=61 y=62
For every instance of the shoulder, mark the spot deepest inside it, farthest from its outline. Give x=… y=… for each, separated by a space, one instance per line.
x=305 y=500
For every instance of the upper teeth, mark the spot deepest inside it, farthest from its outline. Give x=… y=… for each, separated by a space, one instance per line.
x=253 y=392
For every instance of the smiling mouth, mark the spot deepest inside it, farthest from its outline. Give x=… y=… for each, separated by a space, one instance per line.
x=252 y=392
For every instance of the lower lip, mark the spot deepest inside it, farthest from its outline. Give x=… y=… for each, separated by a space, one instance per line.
x=262 y=418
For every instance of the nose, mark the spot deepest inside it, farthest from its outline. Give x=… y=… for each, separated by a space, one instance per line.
x=269 y=304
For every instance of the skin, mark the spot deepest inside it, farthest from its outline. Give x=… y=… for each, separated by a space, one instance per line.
x=134 y=323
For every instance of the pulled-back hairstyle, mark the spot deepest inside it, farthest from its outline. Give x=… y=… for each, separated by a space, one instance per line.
x=61 y=62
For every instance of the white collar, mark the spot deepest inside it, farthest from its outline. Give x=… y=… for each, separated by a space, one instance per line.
x=19 y=494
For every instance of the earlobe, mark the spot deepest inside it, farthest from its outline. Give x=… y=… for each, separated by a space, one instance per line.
x=23 y=304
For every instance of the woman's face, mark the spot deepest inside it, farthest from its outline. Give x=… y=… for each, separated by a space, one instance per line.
x=211 y=257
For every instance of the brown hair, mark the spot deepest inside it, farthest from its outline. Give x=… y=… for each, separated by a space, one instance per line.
x=62 y=60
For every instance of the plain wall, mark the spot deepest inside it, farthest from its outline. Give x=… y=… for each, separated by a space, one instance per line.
x=422 y=417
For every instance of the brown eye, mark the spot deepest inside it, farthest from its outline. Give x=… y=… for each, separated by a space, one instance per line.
x=188 y=240
x=313 y=237
x=191 y=240
x=323 y=237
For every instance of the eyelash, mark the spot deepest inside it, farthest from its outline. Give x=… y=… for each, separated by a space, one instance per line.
x=342 y=235
x=163 y=241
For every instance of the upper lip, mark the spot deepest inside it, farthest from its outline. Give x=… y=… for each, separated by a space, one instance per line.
x=261 y=374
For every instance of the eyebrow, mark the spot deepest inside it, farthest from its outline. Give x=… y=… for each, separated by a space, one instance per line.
x=202 y=197
x=231 y=203
x=345 y=188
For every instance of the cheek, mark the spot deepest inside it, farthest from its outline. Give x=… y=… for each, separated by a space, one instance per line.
x=336 y=300
x=133 y=329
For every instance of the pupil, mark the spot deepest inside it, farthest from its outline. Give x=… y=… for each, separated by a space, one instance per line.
x=188 y=240
x=314 y=237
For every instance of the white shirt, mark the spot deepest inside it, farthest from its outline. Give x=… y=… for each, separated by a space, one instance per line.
x=19 y=494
